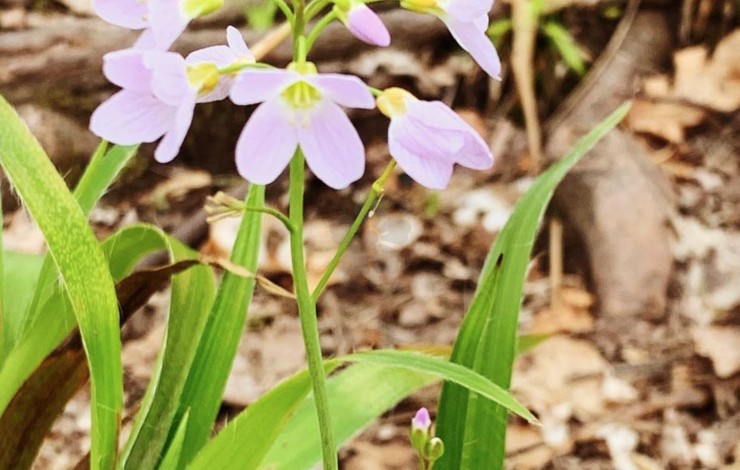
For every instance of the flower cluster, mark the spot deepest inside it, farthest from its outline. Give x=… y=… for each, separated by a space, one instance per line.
x=299 y=108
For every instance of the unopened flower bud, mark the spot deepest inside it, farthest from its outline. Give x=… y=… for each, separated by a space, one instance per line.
x=420 y=425
x=362 y=22
x=434 y=449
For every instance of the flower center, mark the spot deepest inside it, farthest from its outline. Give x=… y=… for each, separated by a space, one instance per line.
x=204 y=77
x=301 y=95
x=423 y=6
x=393 y=101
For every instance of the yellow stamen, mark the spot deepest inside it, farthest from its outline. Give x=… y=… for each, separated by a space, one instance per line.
x=393 y=101
x=422 y=6
x=203 y=76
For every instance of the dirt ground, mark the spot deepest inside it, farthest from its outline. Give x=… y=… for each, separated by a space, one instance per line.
x=635 y=375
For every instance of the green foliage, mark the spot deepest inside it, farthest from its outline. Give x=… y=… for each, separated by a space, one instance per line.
x=261 y=16
x=487 y=338
x=218 y=344
x=82 y=269
x=563 y=41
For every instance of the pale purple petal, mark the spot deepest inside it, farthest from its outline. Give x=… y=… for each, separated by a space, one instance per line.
x=169 y=78
x=475 y=154
x=129 y=14
x=266 y=144
x=218 y=93
x=474 y=40
x=168 y=149
x=436 y=115
x=412 y=157
x=129 y=118
x=145 y=42
x=126 y=69
x=367 y=26
x=167 y=22
x=235 y=40
x=437 y=141
x=421 y=420
x=345 y=90
x=219 y=55
x=333 y=150
x=468 y=10
x=256 y=85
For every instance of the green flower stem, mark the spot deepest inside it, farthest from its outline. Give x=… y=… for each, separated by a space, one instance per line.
x=285 y=9
x=275 y=213
x=372 y=200
x=313 y=8
x=307 y=313
x=317 y=30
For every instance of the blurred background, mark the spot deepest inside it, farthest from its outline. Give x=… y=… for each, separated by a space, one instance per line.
x=636 y=273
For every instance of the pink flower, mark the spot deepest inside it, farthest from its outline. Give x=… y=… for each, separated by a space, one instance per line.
x=362 y=22
x=300 y=108
x=467 y=21
x=236 y=52
x=427 y=138
x=421 y=421
x=162 y=20
x=160 y=90
x=157 y=100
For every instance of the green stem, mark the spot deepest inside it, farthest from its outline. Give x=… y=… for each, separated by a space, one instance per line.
x=316 y=31
x=285 y=9
x=275 y=213
x=372 y=199
x=307 y=313
x=299 y=28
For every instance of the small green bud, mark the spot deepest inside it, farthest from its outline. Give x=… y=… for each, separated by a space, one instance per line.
x=434 y=449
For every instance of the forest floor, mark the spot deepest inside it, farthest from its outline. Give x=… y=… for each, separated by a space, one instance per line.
x=659 y=391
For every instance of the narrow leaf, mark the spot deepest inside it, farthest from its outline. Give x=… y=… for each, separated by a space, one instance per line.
x=82 y=268
x=357 y=395
x=218 y=345
x=486 y=341
x=172 y=457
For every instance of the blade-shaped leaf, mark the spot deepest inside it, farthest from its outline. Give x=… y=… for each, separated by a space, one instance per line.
x=486 y=341
x=244 y=442
x=172 y=457
x=191 y=301
x=357 y=396
x=82 y=268
x=25 y=424
x=217 y=348
x=20 y=271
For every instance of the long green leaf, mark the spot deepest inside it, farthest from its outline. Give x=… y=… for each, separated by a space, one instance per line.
x=82 y=268
x=172 y=457
x=25 y=424
x=104 y=167
x=357 y=395
x=21 y=271
x=190 y=303
x=244 y=442
x=473 y=429
x=33 y=340
x=217 y=348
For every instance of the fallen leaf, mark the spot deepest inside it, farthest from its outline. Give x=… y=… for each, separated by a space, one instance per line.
x=666 y=120
x=710 y=81
x=720 y=345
